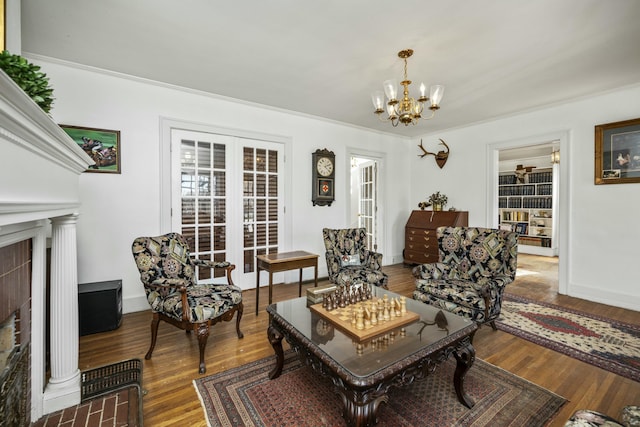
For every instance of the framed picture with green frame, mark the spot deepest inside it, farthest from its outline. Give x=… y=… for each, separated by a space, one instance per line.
x=102 y=145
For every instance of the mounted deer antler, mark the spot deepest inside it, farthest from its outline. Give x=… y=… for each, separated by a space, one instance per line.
x=441 y=157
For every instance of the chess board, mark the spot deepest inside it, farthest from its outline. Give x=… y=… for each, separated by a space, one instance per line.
x=341 y=318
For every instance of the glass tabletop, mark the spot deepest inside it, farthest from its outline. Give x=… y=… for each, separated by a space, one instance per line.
x=365 y=358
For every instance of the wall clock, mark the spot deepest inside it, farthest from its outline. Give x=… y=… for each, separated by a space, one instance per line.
x=323 y=170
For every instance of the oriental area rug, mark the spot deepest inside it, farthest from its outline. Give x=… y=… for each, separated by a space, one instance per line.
x=605 y=343
x=245 y=396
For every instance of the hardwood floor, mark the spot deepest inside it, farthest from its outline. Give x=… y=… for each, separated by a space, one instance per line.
x=168 y=376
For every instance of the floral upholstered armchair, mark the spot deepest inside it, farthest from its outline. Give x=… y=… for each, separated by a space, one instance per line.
x=349 y=260
x=630 y=417
x=167 y=272
x=475 y=265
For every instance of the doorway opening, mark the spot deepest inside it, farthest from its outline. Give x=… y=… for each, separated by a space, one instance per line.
x=364 y=208
x=526 y=195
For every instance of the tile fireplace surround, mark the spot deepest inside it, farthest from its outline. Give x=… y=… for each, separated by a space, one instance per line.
x=40 y=169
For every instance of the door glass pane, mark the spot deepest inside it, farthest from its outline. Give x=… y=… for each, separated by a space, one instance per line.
x=204 y=211
x=261 y=160
x=204 y=155
x=189 y=233
x=248 y=261
x=204 y=183
x=219 y=183
x=247 y=184
x=261 y=237
x=248 y=236
x=273 y=234
x=248 y=210
x=261 y=211
x=248 y=158
x=188 y=183
x=188 y=211
x=204 y=239
x=188 y=154
x=219 y=159
x=273 y=210
x=220 y=238
x=261 y=185
x=219 y=211
x=273 y=186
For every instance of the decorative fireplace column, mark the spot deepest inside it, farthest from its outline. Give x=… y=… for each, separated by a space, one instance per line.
x=63 y=389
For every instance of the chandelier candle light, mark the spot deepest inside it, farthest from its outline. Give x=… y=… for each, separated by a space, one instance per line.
x=406 y=110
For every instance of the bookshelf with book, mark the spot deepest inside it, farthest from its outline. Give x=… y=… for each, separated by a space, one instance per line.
x=526 y=207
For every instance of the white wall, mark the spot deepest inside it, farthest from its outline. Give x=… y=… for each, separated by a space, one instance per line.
x=601 y=221
x=118 y=208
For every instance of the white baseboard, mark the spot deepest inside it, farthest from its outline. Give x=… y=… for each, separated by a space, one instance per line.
x=133 y=304
x=605 y=296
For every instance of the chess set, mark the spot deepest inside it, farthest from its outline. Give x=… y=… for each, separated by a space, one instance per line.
x=354 y=311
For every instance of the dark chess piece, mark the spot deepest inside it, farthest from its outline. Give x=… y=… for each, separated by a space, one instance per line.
x=331 y=302
x=342 y=301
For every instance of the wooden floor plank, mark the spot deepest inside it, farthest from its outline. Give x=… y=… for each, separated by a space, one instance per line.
x=168 y=376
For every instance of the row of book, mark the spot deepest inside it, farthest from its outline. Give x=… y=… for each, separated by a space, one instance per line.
x=515 y=216
x=543 y=242
x=530 y=178
x=525 y=190
x=506 y=179
x=525 y=203
x=536 y=177
x=536 y=202
x=517 y=190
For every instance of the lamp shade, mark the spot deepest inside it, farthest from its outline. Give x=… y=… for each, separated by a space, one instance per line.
x=391 y=89
x=391 y=111
x=377 y=98
x=435 y=94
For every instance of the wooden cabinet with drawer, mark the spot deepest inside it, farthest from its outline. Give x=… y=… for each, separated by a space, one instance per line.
x=420 y=239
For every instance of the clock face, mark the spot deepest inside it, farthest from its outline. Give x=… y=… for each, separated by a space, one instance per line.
x=324 y=166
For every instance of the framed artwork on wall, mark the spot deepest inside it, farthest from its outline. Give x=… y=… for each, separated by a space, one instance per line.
x=3 y=25
x=617 y=156
x=102 y=145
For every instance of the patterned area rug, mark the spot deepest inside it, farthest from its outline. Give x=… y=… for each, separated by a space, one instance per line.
x=608 y=344
x=245 y=396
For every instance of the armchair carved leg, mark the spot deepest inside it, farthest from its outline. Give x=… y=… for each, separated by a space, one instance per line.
x=154 y=334
x=203 y=335
x=238 y=317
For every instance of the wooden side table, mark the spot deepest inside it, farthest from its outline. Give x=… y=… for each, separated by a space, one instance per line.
x=284 y=261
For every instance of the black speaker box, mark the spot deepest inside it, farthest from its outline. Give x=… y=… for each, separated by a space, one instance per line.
x=99 y=306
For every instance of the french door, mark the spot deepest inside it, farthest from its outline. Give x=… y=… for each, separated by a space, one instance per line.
x=227 y=199
x=368 y=202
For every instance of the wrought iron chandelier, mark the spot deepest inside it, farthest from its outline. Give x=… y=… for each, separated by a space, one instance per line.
x=406 y=110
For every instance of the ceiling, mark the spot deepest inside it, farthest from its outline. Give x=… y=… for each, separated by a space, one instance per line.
x=324 y=58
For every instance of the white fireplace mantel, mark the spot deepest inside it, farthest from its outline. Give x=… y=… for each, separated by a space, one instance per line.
x=40 y=167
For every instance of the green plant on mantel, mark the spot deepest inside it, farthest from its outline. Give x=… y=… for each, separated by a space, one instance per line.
x=29 y=77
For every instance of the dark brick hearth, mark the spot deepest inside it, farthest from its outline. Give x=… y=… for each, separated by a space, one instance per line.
x=15 y=333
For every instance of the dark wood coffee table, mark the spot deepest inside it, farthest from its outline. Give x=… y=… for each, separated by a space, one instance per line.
x=363 y=372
